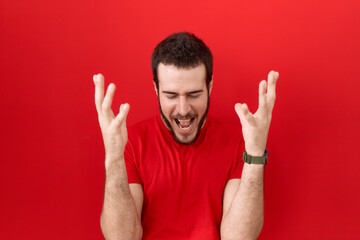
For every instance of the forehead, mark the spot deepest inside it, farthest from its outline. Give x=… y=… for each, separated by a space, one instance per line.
x=176 y=79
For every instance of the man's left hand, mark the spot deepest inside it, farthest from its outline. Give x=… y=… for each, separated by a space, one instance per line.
x=255 y=127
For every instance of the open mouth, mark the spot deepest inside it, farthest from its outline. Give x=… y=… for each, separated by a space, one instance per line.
x=184 y=124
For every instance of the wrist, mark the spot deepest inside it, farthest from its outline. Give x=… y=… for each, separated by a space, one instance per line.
x=113 y=161
x=114 y=155
x=255 y=152
x=250 y=159
x=255 y=148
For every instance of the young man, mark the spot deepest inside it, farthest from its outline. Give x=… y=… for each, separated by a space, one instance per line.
x=177 y=175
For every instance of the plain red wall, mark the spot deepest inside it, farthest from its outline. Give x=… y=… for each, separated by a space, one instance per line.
x=52 y=174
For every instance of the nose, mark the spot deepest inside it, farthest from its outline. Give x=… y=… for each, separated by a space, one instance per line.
x=183 y=106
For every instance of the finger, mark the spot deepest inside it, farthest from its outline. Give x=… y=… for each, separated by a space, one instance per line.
x=238 y=111
x=124 y=110
x=106 y=106
x=246 y=113
x=243 y=112
x=262 y=94
x=99 y=91
x=271 y=94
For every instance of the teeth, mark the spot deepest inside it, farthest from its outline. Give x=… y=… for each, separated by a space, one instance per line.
x=184 y=124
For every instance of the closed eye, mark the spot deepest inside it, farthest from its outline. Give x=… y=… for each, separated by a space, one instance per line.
x=194 y=95
x=171 y=95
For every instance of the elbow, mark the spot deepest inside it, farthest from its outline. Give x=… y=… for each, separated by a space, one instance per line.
x=244 y=232
x=258 y=229
x=139 y=233
x=109 y=234
x=241 y=236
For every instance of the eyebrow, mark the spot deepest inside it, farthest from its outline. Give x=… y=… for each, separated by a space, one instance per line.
x=192 y=92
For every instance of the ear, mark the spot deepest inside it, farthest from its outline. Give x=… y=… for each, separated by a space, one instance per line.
x=156 y=90
x=210 y=85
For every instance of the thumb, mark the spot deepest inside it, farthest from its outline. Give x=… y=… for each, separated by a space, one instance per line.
x=238 y=109
x=124 y=110
x=243 y=112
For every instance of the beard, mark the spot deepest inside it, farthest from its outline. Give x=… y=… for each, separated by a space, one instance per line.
x=171 y=129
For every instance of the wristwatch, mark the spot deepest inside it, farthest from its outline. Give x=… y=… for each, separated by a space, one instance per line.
x=255 y=160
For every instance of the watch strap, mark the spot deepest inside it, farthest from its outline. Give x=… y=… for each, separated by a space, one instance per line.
x=255 y=160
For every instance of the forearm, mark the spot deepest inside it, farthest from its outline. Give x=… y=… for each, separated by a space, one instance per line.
x=119 y=219
x=245 y=217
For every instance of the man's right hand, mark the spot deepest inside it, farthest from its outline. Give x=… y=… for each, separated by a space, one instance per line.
x=113 y=127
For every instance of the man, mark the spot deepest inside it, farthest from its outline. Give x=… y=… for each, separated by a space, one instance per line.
x=177 y=175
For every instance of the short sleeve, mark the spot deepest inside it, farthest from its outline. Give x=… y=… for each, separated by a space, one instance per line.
x=237 y=169
x=131 y=165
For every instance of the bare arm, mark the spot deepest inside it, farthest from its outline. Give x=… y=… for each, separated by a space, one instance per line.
x=121 y=215
x=243 y=210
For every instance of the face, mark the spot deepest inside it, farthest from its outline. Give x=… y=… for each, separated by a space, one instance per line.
x=183 y=99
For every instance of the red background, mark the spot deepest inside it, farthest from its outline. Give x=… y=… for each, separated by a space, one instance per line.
x=52 y=174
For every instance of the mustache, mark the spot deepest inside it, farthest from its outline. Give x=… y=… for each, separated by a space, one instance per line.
x=189 y=115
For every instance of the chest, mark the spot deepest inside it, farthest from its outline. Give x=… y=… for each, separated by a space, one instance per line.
x=183 y=173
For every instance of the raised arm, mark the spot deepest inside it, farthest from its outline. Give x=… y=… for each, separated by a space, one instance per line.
x=121 y=214
x=243 y=210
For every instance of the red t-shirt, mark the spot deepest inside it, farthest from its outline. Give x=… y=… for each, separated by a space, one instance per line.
x=183 y=184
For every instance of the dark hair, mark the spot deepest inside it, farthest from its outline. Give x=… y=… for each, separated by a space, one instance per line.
x=183 y=50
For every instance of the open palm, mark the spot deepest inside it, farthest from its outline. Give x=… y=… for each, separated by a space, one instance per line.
x=255 y=127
